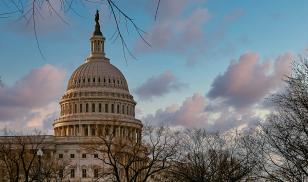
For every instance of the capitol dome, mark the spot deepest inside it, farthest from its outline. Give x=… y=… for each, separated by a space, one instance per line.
x=97 y=101
x=98 y=74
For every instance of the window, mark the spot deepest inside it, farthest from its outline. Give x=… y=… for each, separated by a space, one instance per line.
x=61 y=173
x=93 y=131
x=87 y=107
x=84 y=173
x=75 y=108
x=95 y=155
x=112 y=108
x=95 y=173
x=60 y=156
x=72 y=173
x=122 y=109
x=80 y=108
x=93 y=107
x=72 y=156
x=84 y=156
x=94 y=80
x=118 y=109
x=99 y=107
x=106 y=108
x=85 y=131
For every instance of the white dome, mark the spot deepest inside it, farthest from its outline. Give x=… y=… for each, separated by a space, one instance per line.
x=98 y=73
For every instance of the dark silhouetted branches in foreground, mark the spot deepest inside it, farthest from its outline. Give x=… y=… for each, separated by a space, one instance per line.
x=32 y=10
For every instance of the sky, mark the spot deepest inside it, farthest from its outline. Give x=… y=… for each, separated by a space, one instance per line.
x=211 y=63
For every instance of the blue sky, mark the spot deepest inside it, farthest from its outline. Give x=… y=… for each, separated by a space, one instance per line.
x=197 y=48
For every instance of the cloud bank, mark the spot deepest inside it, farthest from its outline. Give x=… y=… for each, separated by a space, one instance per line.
x=235 y=99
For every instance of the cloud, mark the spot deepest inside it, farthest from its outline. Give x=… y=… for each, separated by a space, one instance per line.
x=157 y=86
x=235 y=100
x=193 y=112
x=28 y=99
x=176 y=31
x=247 y=81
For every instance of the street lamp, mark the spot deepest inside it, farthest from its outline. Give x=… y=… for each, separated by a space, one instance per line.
x=39 y=153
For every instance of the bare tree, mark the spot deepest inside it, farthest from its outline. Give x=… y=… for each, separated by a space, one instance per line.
x=281 y=142
x=211 y=157
x=19 y=159
x=129 y=160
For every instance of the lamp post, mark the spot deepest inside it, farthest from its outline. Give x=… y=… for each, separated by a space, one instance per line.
x=39 y=153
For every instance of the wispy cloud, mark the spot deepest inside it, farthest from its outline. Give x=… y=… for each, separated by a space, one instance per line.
x=176 y=31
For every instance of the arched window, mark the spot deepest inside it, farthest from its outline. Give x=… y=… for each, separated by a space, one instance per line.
x=99 y=107
x=122 y=109
x=80 y=108
x=118 y=109
x=112 y=108
x=87 y=107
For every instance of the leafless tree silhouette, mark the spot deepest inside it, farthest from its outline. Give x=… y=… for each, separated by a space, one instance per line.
x=211 y=157
x=19 y=160
x=280 y=145
x=131 y=161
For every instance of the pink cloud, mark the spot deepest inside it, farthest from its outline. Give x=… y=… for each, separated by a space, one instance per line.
x=247 y=81
x=37 y=89
x=193 y=112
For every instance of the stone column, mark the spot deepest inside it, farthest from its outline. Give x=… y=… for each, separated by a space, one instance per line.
x=89 y=130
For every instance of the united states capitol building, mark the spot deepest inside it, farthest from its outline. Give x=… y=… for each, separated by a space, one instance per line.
x=97 y=102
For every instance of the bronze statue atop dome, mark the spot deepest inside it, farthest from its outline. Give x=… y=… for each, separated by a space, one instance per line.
x=97 y=30
x=97 y=17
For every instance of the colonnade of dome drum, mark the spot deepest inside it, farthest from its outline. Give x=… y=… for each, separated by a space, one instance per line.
x=94 y=102
x=132 y=133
